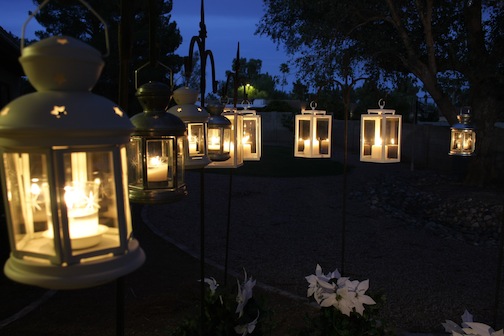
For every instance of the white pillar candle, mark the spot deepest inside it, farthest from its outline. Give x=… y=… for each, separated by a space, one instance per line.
x=157 y=170
x=376 y=152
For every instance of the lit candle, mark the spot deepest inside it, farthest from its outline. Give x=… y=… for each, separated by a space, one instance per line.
x=157 y=170
x=307 y=144
x=324 y=146
x=193 y=145
x=247 y=146
x=82 y=209
x=214 y=143
x=376 y=149
x=301 y=145
x=316 y=148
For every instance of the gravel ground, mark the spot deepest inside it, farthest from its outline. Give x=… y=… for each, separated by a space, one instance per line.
x=281 y=228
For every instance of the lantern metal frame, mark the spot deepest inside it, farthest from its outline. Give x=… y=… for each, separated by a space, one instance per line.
x=64 y=172
x=313 y=133
x=156 y=151
x=251 y=139
x=229 y=153
x=380 y=140
x=463 y=135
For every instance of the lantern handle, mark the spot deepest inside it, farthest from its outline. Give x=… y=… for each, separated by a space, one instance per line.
x=35 y=12
x=381 y=103
x=246 y=102
x=313 y=105
x=157 y=63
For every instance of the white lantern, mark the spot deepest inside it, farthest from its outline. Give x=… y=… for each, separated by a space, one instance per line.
x=313 y=133
x=196 y=121
x=64 y=173
x=251 y=139
x=463 y=135
x=380 y=140
x=224 y=138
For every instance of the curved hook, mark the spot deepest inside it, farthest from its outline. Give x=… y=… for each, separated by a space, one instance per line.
x=381 y=103
x=35 y=12
x=313 y=105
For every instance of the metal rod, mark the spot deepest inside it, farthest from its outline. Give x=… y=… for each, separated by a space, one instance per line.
x=228 y=227
x=500 y=259
x=120 y=306
x=202 y=247
x=344 y=192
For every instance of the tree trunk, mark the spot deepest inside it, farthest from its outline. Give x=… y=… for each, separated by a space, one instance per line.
x=485 y=106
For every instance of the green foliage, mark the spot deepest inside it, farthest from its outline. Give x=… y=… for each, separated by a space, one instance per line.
x=220 y=317
x=331 y=322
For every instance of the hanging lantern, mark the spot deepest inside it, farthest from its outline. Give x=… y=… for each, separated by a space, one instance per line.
x=380 y=135
x=251 y=140
x=224 y=137
x=463 y=135
x=196 y=120
x=64 y=173
x=156 y=150
x=313 y=133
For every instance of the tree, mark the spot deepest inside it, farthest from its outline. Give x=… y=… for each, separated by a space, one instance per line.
x=284 y=69
x=429 y=39
x=129 y=38
x=251 y=82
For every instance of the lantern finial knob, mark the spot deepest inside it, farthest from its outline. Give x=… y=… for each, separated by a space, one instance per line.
x=313 y=105
x=381 y=103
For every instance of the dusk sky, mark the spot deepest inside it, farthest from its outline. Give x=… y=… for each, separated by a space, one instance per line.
x=228 y=22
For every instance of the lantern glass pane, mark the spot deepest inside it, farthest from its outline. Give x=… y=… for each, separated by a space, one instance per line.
x=180 y=161
x=249 y=137
x=322 y=136
x=303 y=142
x=196 y=139
x=392 y=137
x=135 y=171
x=463 y=141
x=214 y=139
x=89 y=200
x=160 y=163
x=227 y=144
x=29 y=202
x=371 y=137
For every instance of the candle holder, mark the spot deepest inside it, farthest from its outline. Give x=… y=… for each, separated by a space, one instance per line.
x=224 y=137
x=157 y=149
x=463 y=135
x=64 y=173
x=313 y=133
x=380 y=140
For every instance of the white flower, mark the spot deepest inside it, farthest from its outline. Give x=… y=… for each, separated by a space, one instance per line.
x=361 y=298
x=245 y=329
x=212 y=283
x=244 y=293
x=340 y=292
x=470 y=328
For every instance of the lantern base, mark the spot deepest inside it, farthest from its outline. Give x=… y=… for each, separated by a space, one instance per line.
x=196 y=162
x=219 y=156
x=157 y=196
x=84 y=275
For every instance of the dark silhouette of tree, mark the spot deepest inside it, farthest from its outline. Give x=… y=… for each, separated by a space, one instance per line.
x=132 y=35
x=429 y=39
x=284 y=69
